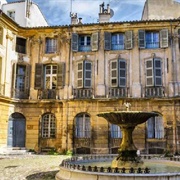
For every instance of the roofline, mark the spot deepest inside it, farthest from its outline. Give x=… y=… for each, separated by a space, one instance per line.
x=106 y=23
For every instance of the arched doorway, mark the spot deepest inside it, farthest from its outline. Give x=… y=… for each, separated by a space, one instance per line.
x=16 y=130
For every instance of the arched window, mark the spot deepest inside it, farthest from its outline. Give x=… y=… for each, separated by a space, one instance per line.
x=48 y=126
x=155 y=128
x=115 y=131
x=82 y=126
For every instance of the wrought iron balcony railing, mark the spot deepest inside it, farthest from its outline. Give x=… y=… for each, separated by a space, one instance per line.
x=47 y=94
x=154 y=92
x=82 y=93
x=17 y=93
x=117 y=92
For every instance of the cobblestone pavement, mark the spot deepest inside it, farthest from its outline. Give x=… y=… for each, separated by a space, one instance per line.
x=30 y=167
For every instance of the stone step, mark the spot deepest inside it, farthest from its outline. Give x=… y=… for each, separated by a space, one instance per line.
x=13 y=151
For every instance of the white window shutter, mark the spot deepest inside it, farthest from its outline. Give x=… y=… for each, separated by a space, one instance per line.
x=141 y=39
x=107 y=41
x=128 y=40
x=122 y=73
x=149 y=72
x=74 y=42
x=94 y=41
x=157 y=72
x=87 y=74
x=114 y=73
x=159 y=127
x=14 y=75
x=80 y=75
x=164 y=38
x=150 y=128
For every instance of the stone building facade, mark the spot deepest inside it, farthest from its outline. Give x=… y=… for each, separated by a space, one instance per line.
x=55 y=80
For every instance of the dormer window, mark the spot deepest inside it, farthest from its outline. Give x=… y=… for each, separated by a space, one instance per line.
x=21 y=45
x=11 y=14
x=84 y=43
x=51 y=45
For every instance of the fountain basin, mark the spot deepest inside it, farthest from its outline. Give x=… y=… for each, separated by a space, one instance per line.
x=73 y=169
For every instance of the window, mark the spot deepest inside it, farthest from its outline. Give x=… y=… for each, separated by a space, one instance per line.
x=11 y=14
x=49 y=76
x=153 y=39
x=118 y=73
x=84 y=71
x=51 y=45
x=115 y=131
x=21 y=80
x=153 y=72
x=84 y=43
x=21 y=45
x=82 y=126
x=155 y=128
x=118 y=41
x=48 y=126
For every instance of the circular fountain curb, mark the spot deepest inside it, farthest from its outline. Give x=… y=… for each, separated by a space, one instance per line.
x=70 y=174
x=67 y=172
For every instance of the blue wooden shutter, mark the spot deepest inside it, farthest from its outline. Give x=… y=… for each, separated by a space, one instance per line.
x=87 y=74
x=107 y=41
x=149 y=73
x=94 y=42
x=114 y=73
x=74 y=42
x=80 y=75
x=122 y=73
x=157 y=72
x=128 y=40
x=141 y=39
x=164 y=38
x=39 y=76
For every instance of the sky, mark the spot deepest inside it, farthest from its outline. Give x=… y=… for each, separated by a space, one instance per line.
x=57 y=12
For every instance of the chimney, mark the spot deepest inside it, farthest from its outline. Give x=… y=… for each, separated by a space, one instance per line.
x=74 y=19
x=80 y=21
x=104 y=14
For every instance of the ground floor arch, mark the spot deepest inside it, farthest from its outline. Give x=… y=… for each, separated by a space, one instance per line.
x=16 y=130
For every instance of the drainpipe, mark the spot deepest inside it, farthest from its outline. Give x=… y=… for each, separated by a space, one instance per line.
x=174 y=129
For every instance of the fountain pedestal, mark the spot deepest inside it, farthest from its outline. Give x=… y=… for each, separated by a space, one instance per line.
x=127 y=152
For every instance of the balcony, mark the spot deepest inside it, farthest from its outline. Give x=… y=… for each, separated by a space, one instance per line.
x=82 y=93
x=154 y=92
x=118 y=92
x=17 y=93
x=47 y=94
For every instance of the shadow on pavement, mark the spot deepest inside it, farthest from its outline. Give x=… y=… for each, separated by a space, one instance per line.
x=50 y=175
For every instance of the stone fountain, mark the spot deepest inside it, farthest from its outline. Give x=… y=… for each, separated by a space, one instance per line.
x=127 y=121
x=127 y=160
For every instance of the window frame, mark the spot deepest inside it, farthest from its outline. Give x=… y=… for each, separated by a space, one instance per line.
x=51 y=45
x=156 y=131
x=154 y=72
x=115 y=131
x=51 y=126
x=115 y=73
x=83 y=126
x=83 y=73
